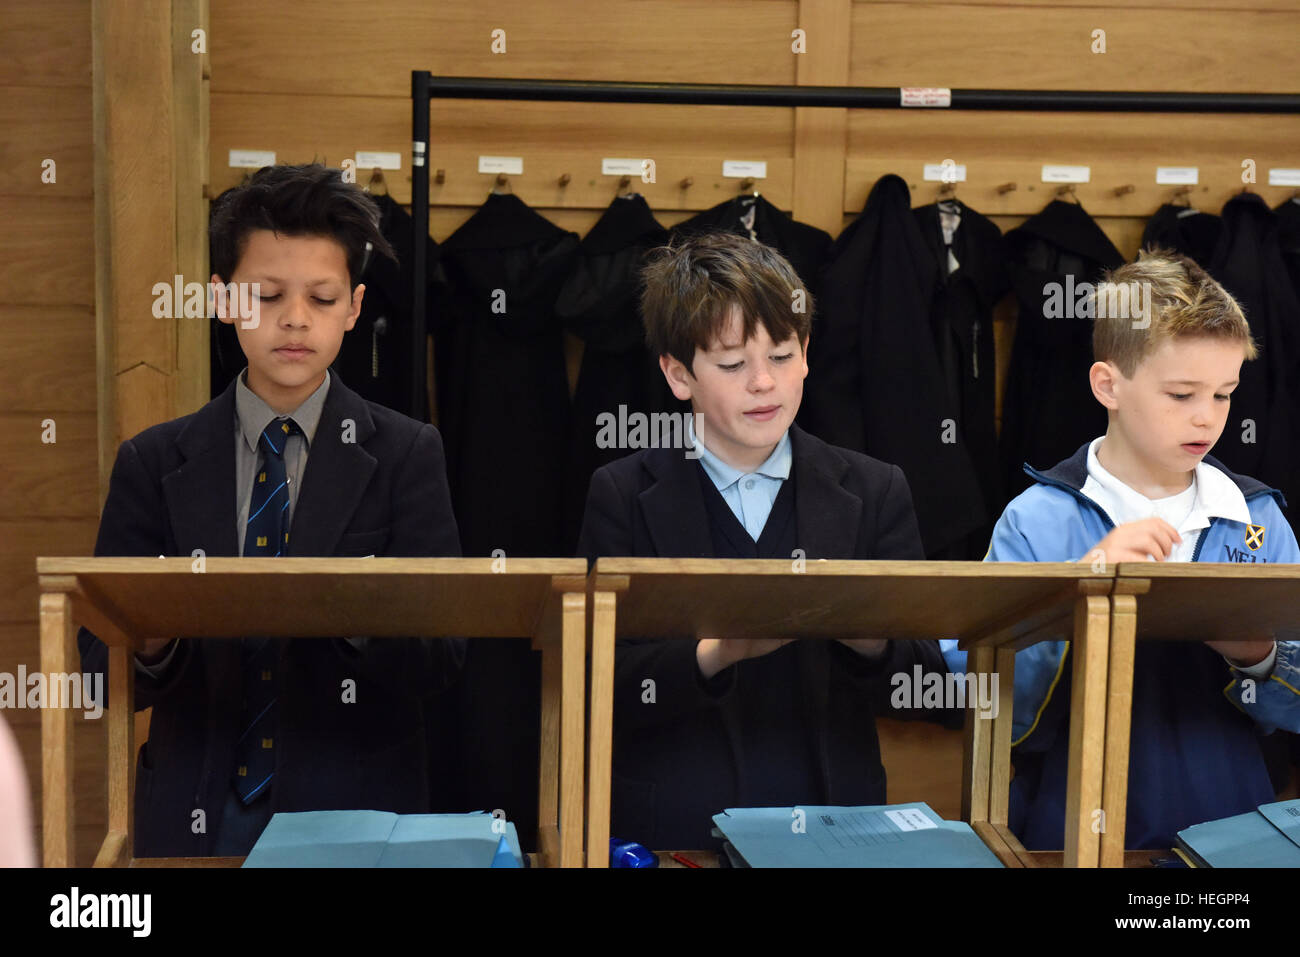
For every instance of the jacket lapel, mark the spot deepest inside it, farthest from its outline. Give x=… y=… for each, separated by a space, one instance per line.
x=827 y=515
x=200 y=494
x=338 y=471
x=674 y=507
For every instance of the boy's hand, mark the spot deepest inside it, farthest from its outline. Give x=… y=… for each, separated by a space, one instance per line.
x=1136 y=542
x=714 y=654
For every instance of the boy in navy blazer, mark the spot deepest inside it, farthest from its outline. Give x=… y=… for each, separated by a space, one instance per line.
x=242 y=729
x=738 y=722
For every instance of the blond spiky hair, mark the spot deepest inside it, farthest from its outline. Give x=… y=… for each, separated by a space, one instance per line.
x=1182 y=300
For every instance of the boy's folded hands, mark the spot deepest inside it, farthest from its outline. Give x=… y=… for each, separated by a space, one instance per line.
x=714 y=654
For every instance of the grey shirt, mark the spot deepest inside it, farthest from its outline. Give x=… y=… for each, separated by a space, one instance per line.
x=252 y=416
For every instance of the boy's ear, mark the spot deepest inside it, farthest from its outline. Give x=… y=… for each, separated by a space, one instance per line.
x=677 y=376
x=225 y=313
x=1102 y=377
x=357 y=295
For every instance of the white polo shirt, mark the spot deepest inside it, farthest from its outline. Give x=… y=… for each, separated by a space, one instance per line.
x=1211 y=494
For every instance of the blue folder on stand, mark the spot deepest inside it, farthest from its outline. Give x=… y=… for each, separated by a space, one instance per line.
x=384 y=839
x=893 y=835
x=1266 y=837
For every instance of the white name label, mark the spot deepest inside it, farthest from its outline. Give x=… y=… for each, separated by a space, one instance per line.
x=1066 y=174
x=251 y=159
x=512 y=165
x=910 y=819
x=369 y=159
x=1177 y=175
x=742 y=168
x=945 y=172
x=621 y=167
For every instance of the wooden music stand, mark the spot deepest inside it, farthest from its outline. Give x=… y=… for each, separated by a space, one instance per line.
x=124 y=601
x=993 y=608
x=1182 y=601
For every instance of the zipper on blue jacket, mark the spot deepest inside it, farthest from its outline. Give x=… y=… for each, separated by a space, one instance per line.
x=1043 y=479
x=1200 y=541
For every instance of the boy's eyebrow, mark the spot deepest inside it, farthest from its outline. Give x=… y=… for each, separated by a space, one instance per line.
x=1196 y=382
x=721 y=346
x=310 y=282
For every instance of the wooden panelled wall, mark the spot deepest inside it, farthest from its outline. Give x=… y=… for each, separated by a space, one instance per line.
x=102 y=166
x=314 y=80
x=49 y=490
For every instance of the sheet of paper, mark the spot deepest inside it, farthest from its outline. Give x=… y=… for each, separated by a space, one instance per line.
x=1285 y=816
x=382 y=839
x=447 y=840
x=323 y=839
x=901 y=835
x=1268 y=837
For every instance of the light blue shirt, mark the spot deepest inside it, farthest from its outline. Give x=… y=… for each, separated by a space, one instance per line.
x=750 y=495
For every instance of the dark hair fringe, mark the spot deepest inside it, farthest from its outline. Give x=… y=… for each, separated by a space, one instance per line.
x=306 y=200
x=689 y=286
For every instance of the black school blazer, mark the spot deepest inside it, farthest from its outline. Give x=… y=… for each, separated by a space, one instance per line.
x=681 y=754
x=385 y=494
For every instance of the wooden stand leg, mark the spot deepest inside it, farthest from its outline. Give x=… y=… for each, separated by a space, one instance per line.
x=118 y=844
x=1000 y=751
x=1083 y=801
x=574 y=666
x=56 y=736
x=977 y=755
x=988 y=757
x=548 y=786
x=1119 y=708
x=602 y=728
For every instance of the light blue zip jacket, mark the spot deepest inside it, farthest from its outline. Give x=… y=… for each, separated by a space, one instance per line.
x=1194 y=751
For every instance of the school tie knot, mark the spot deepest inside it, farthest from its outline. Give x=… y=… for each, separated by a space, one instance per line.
x=276 y=433
x=267 y=532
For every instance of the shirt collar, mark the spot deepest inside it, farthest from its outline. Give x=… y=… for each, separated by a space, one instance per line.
x=775 y=466
x=1217 y=496
x=253 y=415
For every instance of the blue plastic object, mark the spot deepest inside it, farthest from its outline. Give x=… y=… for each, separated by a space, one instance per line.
x=630 y=854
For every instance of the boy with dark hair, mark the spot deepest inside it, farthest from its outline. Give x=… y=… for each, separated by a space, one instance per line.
x=286 y=461
x=740 y=722
x=1168 y=342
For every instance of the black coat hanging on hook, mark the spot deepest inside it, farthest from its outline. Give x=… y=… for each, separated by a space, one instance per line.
x=599 y=305
x=1185 y=230
x=503 y=410
x=502 y=388
x=876 y=384
x=1048 y=409
x=971 y=279
x=375 y=356
x=805 y=246
x=1261 y=438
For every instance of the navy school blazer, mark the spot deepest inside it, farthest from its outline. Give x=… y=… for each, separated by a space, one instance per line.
x=385 y=494
x=683 y=753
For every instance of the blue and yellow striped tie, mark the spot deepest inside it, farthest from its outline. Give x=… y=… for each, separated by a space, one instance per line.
x=267 y=535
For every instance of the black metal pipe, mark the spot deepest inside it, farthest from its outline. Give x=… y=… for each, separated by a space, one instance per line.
x=869 y=97
x=419 y=237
